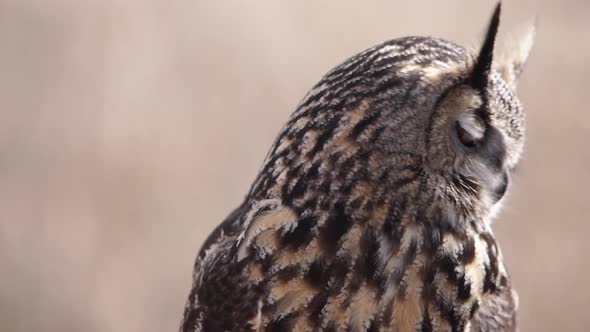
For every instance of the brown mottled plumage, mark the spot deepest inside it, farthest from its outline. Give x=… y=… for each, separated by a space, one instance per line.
x=372 y=209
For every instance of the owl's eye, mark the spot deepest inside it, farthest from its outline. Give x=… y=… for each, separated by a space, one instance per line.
x=470 y=129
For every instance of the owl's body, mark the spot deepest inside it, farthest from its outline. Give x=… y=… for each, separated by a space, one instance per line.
x=372 y=209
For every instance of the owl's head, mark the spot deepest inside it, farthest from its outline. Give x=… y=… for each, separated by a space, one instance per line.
x=413 y=122
x=476 y=135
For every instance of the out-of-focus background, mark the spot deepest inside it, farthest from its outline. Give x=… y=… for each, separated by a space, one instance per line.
x=129 y=129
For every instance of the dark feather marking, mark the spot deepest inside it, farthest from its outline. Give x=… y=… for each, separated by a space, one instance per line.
x=301 y=234
x=317 y=303
x=364 y=123
x=468 y=253
x=491 y=271
x=288 y=273
x=429 y=289
x=318 y=273
x=463 y=287
x=327 y=134
x=449 y=313
x=338 y=270
x=392 y=227
x=401 y=269
x=447 y=264
x=489 y=284
x=283 y=324
x=369 y=251
x=334 y=228
x=331 y=327
x=404 y=181
x=426 y=325
x=373 y=326
x=386 y=85
x=297 y=191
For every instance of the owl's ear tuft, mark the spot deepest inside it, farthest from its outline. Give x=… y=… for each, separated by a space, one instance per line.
x=479 y=76
x=515 y=52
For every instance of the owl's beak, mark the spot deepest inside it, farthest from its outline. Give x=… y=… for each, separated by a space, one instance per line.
x=501 y=187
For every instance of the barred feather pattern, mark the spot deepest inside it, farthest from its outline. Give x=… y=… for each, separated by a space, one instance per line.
x=357 y=220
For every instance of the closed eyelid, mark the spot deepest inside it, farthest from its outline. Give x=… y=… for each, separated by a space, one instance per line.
x=473 y=124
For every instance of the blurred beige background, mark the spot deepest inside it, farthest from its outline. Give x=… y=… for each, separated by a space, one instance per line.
x=128 y=129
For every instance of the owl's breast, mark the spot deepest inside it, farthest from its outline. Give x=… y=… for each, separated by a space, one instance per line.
x=332 y=272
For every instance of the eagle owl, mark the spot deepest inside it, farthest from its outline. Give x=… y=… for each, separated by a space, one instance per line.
x=372 y=210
